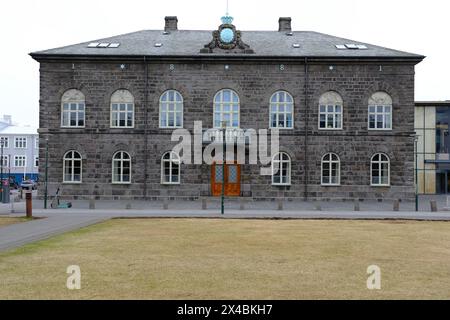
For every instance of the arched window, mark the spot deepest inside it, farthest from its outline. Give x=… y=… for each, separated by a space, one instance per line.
x=330 y=111
x=331 y=170
x=72 y=166
x=72 y=109
x=380 y=111
x=281 y=110
x=281 y=169
x=170 y=168
x=121 y=167
x=226 y=109
x=380 y=170
x=171 y=110
x=122 y=109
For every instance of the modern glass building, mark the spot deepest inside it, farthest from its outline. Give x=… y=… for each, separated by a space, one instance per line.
x=432 y=121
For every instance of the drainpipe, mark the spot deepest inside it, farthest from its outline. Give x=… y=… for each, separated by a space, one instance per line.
x=305 y=146
x=145 y=128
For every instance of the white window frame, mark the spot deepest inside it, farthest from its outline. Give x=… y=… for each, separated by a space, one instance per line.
x=330 y=163
x=36 y=158
x=380 y=100
x=120 y=162
x=380 y=162
x=277 y=104
x=5 y=142
x=5 y=162
x=22 y=159
x=334 y=100
x=69 y=98
x=21 y=141
x=219 y=105
x=166 y=103
x=280 y=163
x=174 y=158
x=36 y=143
x=72 y=159
x=122 y=98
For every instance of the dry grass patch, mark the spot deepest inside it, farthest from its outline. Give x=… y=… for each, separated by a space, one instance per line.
x=5 y=221
x=234 y=259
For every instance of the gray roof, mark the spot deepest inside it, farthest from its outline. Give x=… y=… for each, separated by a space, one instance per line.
x=187 y=43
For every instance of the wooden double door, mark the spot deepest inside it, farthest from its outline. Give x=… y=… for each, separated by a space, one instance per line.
x=232 y=176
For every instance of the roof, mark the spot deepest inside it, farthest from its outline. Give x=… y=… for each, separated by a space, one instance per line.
x=432 y=103
x=187 y=43
x=18 y=130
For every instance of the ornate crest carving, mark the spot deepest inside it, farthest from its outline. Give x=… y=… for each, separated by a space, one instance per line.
x=226 y=39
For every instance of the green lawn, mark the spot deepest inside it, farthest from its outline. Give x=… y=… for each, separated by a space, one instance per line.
x=234 y=259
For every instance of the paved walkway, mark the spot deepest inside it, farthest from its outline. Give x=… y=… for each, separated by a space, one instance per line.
x=57 y=221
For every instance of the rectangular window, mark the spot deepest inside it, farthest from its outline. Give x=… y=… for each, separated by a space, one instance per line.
x=5 y=141
x=122 y=115
x=73 y=115
x=20 y=161
x=330 y=117
x=5 y=162
x=36 y=143
x=380 y=117
x=36 y=161
x=20 y=143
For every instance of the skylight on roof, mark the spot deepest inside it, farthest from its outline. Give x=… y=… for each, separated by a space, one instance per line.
x=296 y=45
x=351 y=46
x=158 y=44
x=103 y=45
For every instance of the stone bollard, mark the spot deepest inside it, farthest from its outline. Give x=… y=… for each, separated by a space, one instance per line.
x=356 y=206
x=318 y=207
x=396 y=205
x=433 y=205
x=92 y=203
x=204 y=204
x=280 y=205
x=241 y=204
x=128 y=206
x=166 y=203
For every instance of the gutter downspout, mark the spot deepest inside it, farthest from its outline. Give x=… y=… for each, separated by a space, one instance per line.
x=305 y=146
x=145 y=127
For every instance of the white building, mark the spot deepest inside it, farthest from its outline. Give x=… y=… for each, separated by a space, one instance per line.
x=20 y=150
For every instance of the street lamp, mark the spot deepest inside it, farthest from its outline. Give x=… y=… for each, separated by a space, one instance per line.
x=1 y=169
x=222 y=205
x=416 y=139
x=46 y=173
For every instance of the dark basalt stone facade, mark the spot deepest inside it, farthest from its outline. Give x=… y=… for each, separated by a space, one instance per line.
x=305 y=73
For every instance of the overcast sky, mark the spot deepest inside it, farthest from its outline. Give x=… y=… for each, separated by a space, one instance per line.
x=26 y=26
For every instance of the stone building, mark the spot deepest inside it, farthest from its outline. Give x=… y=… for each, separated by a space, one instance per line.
x=344 y=109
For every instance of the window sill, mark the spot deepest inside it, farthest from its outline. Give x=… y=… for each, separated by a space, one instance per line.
x=281 y=184
x=119 y=183
x=330 y=129
x=330 y=185
x=380 y=185
x=170 y=183
x=71 y=182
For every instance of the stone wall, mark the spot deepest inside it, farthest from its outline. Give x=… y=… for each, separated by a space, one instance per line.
x=255 y=83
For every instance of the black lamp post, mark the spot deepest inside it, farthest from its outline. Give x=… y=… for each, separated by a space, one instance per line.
x=46 y=174
x=222 y=205
x=1 y=169
x=416 y=139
